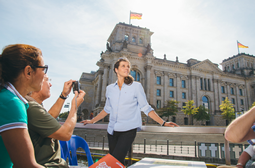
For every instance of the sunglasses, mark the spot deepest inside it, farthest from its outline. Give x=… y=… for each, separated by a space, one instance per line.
x=45 y=68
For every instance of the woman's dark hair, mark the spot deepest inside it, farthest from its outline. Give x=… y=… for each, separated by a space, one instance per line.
x=129 y=79
x=15 y=58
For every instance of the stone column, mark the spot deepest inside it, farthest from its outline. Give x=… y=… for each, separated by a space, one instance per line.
x=165 y=84
x=148 y=81
x=99 y=87
x=178 y=90
x=228 y=91
x=238 y=103
x=197 y=91
x=215 y=91
x=219 y=93
x=105 y=78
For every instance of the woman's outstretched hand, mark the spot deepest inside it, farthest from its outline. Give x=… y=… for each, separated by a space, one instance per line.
x=171 y=124
x=86 y=122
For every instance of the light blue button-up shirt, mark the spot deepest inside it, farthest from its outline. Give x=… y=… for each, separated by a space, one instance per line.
x=125 y=106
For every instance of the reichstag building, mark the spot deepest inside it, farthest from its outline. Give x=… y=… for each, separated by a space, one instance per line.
x=163 y=80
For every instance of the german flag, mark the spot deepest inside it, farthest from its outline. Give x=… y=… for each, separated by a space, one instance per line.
x=241 y=46
x=134 y=15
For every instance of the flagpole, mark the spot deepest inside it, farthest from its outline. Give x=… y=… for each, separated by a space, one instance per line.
x=237 y=47
x=129 y=17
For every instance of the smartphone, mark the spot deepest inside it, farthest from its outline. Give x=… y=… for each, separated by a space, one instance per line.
x=76 y=86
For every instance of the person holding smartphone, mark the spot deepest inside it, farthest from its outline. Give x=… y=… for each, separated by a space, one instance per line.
x=45 y=131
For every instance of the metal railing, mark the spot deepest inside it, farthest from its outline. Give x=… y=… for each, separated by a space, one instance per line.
x=158 y=129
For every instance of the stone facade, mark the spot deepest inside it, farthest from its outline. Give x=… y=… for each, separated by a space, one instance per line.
x=162 y=79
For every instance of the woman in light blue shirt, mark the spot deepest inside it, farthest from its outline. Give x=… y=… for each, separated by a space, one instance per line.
x=125 y=99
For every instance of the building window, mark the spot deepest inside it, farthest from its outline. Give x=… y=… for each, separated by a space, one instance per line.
x=222 y=89
x=241 y=101
x=158 y=104
x=228 y=69
x=233 y=101
x=237 y=65
x=133 y=39
x=183 y=104
x=141 y=41
x=205 y=102
x=171 y=82
x=223 y=98
x=183 y=84
x=158 y=92
x=186 y=121
x=205 y=84
x=201 y=83
x=135 y=75
x=232 y=91
x=171 y=94
x=158 y=80
x=183 y=95
x=240 y=92
x=174 y=119
x=209 y=86
x=126 y=37
x=233 y=66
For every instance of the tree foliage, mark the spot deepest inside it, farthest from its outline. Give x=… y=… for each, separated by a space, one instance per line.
x=170 y=109
x=253 y=104
x=202 y=114
x=189 y=109
x=228 y=111
x=63 y=115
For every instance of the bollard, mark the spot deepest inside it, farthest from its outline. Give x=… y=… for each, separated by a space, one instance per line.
x=167 y=147
x=181 y=146
x=144 y=150
x=156 y=145
x=195 y=148
x=103 y=143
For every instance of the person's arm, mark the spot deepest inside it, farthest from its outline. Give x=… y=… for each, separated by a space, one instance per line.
x=56 y=108
x=155 y=117
x=20 y=148
x=243 y=159
x=65 y=132
x=240 y=130
x=100 y=116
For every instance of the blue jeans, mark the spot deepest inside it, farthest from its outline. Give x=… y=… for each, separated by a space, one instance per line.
x=120 y=143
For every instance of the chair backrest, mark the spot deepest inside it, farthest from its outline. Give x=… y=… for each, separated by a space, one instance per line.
x=72 y=145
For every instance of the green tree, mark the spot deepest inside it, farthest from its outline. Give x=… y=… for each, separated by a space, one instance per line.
x=190 y=109
x=63 y=115
x=253 y=104
x=202 y=114
x=170 y=109
x=228 y=111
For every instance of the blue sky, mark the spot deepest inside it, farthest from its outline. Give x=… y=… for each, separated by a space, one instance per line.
x=72 y=34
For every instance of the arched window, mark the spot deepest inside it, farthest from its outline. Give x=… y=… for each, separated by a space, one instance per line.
x=233 y=66
x=133 y=39
x=135 y=74
x=141 y=41
x=205 y=102
x=126 y=37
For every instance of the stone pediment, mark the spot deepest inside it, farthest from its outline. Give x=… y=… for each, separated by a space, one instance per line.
x=206 y=65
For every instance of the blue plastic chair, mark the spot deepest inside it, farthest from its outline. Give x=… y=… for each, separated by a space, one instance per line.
x=72 y=145
x=64 y=150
